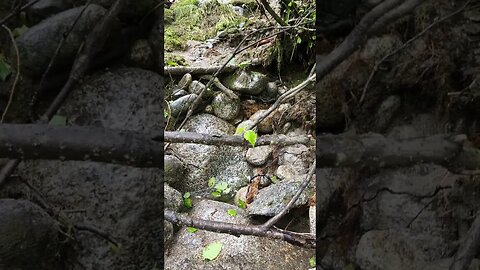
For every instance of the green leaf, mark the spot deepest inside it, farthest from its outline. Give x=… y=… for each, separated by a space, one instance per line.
x=244 y=64
x=187 y=201
x=171 y=63
x=250 y=136
x=165 y=114
x=312 y=261
x=19 y=31
x=239 y=130
x=5 y=69
x=211 y=182
x=227 y=190
x=274 y=179
x=192 y=229
x=58 y=120
x=221 y=186
x=232 y=212
x=217 y=194
x=212 y=251
x=299 y=40
x=241 y=204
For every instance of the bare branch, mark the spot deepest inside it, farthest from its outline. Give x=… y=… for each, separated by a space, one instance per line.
x=79 y=143
x=191 y=137
x=374 y=150
x=235 y=229
x=272 y=12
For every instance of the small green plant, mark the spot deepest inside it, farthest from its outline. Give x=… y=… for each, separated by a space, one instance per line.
x=241 y=204
x=192 y=229
x=19 y=31
x=249 y=135
x=5 y=68
x=211 y=182
x=187 y=201
x=232 y=212
x=220 y=187
x=274 y=179
x=244 y=64
x=212 y=251
x=312 y=262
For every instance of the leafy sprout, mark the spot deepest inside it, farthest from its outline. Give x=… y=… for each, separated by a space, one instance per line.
x=248 y=135
x=187 y=201
x=232 y=212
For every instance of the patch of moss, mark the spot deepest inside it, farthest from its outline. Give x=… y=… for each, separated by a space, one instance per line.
x=173 y=40
x=194 y=22
x=169 y=16
x=228 y=23
x=173 y=60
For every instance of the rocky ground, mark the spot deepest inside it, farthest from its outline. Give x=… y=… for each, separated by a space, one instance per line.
x=105 y=216
x=409 y=217
x=188 y=167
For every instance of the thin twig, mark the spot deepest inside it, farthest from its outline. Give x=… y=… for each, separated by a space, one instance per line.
x=17 y=75
x=96 y=231
x=54 y=57
x=272 y=12
x=377 y=65
x=283 y=98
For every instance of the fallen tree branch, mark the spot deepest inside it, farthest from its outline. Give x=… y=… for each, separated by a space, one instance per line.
x=179 y=71
x=353 y=41
x=207 y=139
x=222 y=87
x=394 y=14
x=468 y=248
x=235 y=229
x=375 y=150
x=79 y=143
x=37 y=141
x=283 y=98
